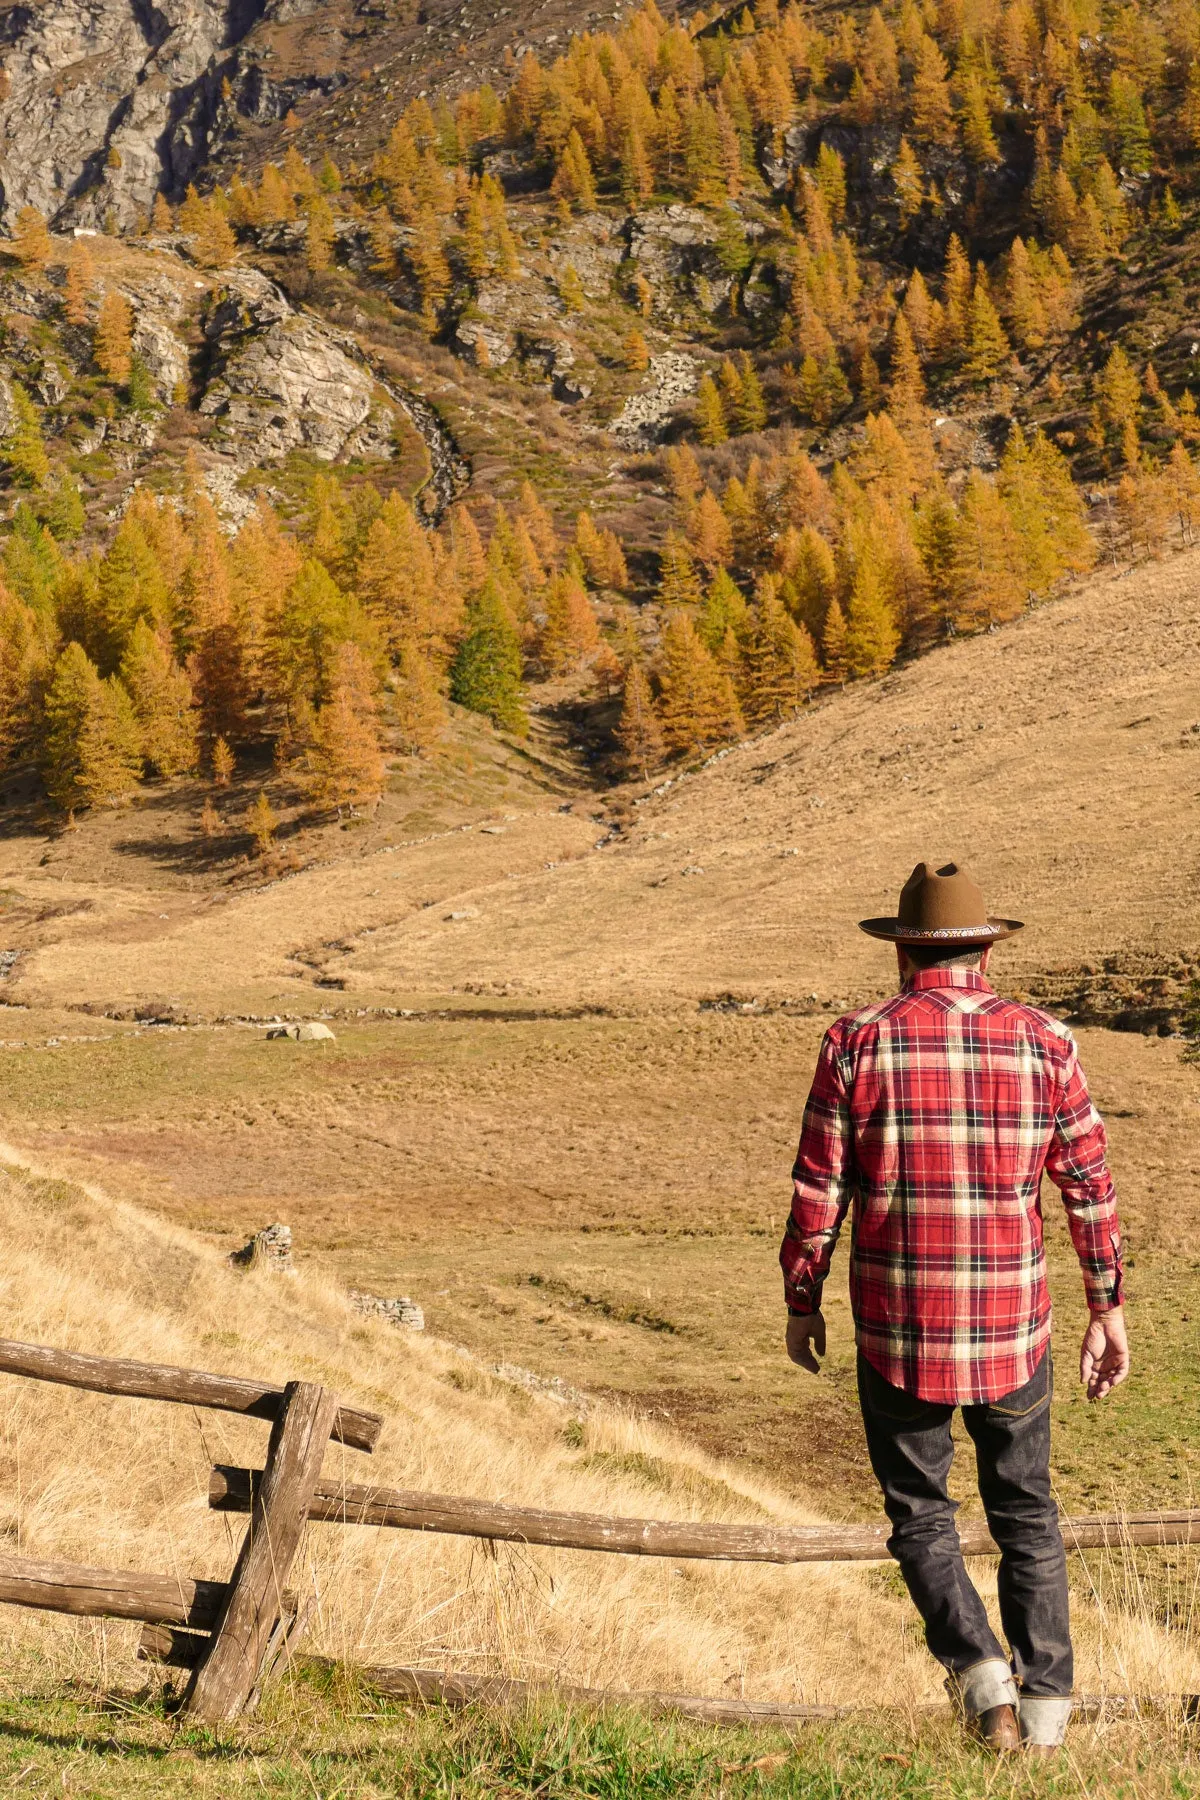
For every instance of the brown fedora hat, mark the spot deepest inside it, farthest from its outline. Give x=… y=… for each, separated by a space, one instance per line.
x=941 y=906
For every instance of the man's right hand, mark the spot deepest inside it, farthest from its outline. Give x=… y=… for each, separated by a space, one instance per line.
x=806 y=1335
x=1104 y=1361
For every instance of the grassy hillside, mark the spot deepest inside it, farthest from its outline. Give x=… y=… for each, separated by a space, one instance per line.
x=122 y=1482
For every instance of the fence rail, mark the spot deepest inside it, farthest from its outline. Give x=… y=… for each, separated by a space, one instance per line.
x=186 y=1387
x=349 y=1503
x=109 y=1593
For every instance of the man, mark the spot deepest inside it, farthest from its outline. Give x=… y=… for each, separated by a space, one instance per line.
x=936 y=1112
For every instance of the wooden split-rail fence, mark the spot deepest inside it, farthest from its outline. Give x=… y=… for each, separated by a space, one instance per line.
x=229 y=1634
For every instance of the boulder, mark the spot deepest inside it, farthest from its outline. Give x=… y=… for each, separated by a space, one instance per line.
x=279 y=382
x=311 y=1031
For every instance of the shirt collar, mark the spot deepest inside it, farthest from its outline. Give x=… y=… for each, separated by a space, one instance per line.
x=943 y=978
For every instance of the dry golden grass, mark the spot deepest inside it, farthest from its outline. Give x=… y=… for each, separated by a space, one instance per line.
x=122 y=1482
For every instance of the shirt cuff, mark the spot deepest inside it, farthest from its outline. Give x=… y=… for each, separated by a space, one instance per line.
x=1105 y=1293
x=803 y=1305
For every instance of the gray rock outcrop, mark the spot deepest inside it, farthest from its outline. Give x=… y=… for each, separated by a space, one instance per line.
x=278 y=382
x=108 y=101
x=671 y=379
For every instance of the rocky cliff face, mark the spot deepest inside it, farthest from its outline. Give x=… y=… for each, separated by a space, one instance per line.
x=279 y=382
x=108 y=102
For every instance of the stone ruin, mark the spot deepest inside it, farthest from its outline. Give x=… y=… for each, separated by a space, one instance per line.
x=398 y=1311
x=269 y=1249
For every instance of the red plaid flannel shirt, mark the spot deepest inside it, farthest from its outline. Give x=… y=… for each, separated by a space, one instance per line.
x=935 y=1112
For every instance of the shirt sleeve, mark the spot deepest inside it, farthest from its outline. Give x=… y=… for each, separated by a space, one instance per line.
x=822 y=1184
x=1077 y=1163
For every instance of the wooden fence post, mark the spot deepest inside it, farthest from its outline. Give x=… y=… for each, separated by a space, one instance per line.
x=228 y=1673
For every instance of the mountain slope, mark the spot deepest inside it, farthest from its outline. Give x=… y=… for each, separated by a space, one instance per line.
x=1058 y=756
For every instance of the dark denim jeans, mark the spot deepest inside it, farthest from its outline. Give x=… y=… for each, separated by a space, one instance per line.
x=911 y=1453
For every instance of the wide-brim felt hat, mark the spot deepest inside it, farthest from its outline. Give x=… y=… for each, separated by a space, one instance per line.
x=941 y=906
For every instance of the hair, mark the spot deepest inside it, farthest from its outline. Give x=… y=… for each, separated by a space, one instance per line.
x=934 y=956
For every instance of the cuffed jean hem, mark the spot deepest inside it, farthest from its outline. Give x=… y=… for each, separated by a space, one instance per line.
x=1043 y=1718
x=984 y=1685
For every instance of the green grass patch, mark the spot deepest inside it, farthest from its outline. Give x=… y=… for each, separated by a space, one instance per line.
x=327 y=1738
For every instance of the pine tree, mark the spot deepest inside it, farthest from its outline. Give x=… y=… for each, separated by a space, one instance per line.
x=979 y=140
x=161 y=696
x=638 y=734
x=485 y=675
x=570 y=632
x=1023 y=306
x=991 y=575
x=988 y=348
x=65 y=513
x=916 y=311
x=262 y=822
x=217 y=671
x=750 y=406
x=24 y=447
x=213 y=244
x=23 y=663
x=636 y=173
x=1183 y=487
x=418 y=706
x=1118 y=397
x=711 y=425
x=90 y=750
x=831 y=179
x=161 y=216
x=574 y=183
x=113 y=343
x=345 y=763
x=871 y=636
x=906 y=389
x=696 y=706
x=724 y=611
x=810 y=581
x=402 y=585
x=678 y=584
x=429 y=265
x=571 y=290
x=1127 y=116
x=780 y=663
x=932 y=115
x=956 y=295
x=729 y=381
x=909 y=182
x=320 y=234
x=77 y=289
x=222 y=762
x=636 y=353
x=1047 y=510
x=709 y=533
x=703 y=167
x=834 y=647
x=32 y=243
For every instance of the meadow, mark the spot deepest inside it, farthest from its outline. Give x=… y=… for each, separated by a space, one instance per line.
x=560 y=1110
